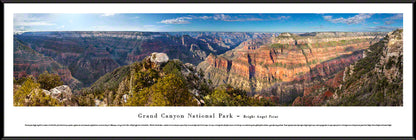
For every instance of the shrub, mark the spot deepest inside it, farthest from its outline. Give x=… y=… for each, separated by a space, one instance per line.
x=48 y=81
x=29 y=94
x=172 y=67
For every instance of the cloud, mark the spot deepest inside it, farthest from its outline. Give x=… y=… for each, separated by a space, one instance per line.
x=179 y=20
x=205 y=17
x=281 y=18
x=360 y=18
x=397 y=16
x=24 y=22
x=390 y=20
x=108 y=14
x=219 y=17
x=98 y=26
x=34 y=23
x=252 y=19
x=21 y=28
x=31 y=20
x=127 y=28
x=229 y=18
x=222 y=17
x=61 y=27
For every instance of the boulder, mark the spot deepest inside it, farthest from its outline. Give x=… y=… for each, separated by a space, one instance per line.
x=61 y=92
x=159 y=58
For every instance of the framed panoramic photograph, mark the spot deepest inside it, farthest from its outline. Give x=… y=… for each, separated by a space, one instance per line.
x=190 y=70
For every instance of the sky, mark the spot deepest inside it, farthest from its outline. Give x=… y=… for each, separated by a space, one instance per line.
x=214 y=22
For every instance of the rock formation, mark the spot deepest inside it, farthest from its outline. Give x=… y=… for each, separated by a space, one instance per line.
x=26 y=61
x=124 y=80
x=159 y=58
x=61 y=92
x=321 y=68
x=255 y=64
x=90 y=55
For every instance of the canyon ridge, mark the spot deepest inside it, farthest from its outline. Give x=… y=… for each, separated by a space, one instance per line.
x=111 y=68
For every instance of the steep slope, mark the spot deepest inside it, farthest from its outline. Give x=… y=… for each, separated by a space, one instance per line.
x=124 y=85
x=26 y=61
x=110 y=81
x=377 y=79
x=159 y=81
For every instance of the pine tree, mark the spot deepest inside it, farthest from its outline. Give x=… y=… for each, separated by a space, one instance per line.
x=171 y=90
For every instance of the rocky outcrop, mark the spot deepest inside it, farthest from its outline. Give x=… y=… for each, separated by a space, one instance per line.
x=62 y=93
x=219 y=62
x=35 y=96
x=122 y=84
x=159 y=58
x=317 y=92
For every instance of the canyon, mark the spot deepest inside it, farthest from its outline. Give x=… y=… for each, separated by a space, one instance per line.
x=258 y=64
x=285 y=67
x=88 y=55
x=299 y=69
x=27 y=61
